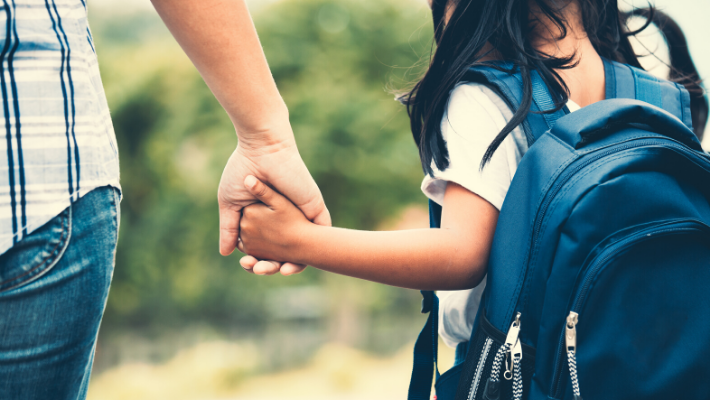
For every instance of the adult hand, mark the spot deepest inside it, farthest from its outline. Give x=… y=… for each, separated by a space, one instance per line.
x=279 y=164
x=220 y=39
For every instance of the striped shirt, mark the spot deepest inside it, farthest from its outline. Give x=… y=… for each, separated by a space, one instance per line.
x=56 y=138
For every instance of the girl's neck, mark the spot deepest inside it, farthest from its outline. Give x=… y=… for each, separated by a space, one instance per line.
x=585 y=80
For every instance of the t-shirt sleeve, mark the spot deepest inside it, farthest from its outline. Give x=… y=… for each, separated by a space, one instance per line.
x=472 y=120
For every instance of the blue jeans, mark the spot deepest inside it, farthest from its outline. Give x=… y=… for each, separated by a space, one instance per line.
x=53 y=290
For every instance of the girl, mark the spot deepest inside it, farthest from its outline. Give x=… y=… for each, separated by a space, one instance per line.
x=469 y=142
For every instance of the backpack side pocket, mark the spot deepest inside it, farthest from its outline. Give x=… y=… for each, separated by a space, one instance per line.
x=481 y=362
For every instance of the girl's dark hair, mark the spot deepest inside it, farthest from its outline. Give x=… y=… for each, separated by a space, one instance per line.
x=507 y=26
x=682 y=69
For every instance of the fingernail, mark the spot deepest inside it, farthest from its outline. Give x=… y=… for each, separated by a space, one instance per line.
x=250 y=181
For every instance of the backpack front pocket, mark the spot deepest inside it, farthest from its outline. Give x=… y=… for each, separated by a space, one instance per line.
x=639 y=318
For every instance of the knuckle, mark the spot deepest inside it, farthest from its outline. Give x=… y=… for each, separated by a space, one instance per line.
x=245 y=227
x=229 y=229
x=313 y=207
x=250 y=212
x=262 y=190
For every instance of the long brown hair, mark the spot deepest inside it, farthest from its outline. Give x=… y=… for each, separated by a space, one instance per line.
x=505 y=25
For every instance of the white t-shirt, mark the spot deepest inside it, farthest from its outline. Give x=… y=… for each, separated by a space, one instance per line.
x=474 y=117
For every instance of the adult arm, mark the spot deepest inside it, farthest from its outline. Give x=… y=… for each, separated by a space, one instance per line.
x=220 y=39
x=450 y=258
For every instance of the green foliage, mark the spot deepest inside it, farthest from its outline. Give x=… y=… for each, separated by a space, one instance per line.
x=333 y=62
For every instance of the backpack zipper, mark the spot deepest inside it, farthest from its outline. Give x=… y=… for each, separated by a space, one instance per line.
x=479 y=369
x=516 y=356
x=512 y=341
x=591 y=269
x=571 y=344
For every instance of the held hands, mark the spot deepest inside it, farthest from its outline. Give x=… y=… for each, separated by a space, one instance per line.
x=281 y=165
x=272 y=229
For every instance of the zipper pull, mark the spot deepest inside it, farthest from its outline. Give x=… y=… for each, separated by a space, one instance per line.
x=571 y=332
x=511 y=341
x=571 y=343
x=514 y=331
x=517 y=352
x=492 y=389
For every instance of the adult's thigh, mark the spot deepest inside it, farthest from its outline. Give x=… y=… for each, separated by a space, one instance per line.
x=53 y=290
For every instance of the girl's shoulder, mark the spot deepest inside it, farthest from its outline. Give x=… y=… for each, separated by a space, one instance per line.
x=475 y=109
x=474 y=116
x=476 y=112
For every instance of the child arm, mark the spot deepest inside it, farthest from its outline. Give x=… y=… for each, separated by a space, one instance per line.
x=449 y=258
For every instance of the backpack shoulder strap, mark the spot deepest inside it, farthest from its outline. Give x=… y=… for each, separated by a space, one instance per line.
x=509 y=86
x=622 y=81
x=626 y=82
x=505 y=80
x=426 y=348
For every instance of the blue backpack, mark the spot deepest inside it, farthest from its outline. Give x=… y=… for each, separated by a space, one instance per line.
x=600 y=267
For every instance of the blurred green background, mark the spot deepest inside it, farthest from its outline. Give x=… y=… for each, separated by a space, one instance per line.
x=332 y=63
x=182 y=322
x=337 y=64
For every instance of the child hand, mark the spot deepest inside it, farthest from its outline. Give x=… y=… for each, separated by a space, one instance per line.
x=273 y=228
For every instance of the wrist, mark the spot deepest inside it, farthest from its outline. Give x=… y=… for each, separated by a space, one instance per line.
x=269 y=129
x=304 y=243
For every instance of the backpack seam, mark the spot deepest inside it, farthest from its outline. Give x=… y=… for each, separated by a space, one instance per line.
x=543 y=227
x=573 y=156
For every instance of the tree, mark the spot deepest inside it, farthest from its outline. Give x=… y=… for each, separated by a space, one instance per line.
x=333 y=62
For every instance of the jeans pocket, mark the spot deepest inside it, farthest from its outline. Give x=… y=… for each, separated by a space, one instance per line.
x=36 y=254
